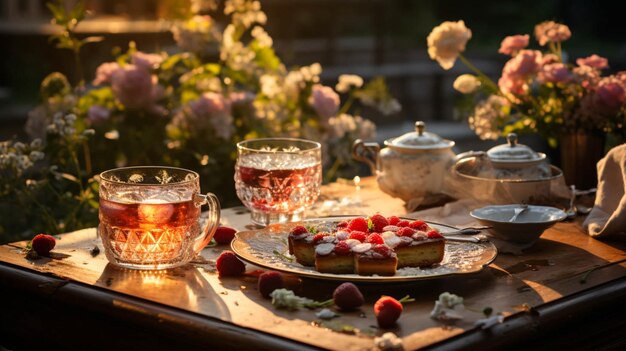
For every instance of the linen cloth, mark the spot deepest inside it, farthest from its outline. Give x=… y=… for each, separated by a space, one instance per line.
x=608 y=216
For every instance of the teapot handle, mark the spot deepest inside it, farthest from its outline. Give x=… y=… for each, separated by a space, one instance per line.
x=366 y=152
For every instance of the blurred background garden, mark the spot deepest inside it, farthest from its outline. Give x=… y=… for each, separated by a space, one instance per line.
x=195 y=61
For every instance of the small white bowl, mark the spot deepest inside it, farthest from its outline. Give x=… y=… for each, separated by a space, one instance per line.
x=526 y=228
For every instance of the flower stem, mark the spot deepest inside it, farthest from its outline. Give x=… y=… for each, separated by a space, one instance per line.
x=346 y=106
x=490 y=83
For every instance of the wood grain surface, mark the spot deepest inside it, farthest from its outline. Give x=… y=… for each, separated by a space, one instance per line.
x=548 y=271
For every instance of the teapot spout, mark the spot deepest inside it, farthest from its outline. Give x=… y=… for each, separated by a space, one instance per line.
x=366 y=152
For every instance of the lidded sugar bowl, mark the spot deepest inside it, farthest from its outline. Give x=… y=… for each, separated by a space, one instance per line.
x=411 y=166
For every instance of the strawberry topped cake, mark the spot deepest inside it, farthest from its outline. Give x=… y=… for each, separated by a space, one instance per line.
x=367 y=246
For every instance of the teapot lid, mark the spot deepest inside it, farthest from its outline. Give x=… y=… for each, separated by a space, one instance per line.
x=419 y=139
x=514 y=152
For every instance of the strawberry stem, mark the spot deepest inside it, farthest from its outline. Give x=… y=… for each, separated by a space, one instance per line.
x=406 y=299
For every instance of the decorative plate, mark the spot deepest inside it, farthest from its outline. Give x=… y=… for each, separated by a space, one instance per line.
x=268 y=248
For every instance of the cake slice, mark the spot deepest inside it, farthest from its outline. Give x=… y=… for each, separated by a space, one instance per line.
x=334 y=258
x=379 y=259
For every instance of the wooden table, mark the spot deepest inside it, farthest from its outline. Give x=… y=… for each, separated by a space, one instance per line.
x=75 y=301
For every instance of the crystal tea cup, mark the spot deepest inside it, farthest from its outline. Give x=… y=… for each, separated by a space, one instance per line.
x=278 y=178
x=150 y=216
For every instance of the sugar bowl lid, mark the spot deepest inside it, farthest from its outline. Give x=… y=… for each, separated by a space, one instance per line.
x=419 y=140
x=512 y=152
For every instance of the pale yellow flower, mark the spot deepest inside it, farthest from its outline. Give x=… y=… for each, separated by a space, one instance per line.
x=447 y=41
x=466 y=83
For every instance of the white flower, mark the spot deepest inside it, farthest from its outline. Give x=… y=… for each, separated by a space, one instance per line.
x=347 y=82
x=341 y=125
x=448 y=307
x=261 y=36
x=36 y=155
x=389 y=106
x=447 y=41
x=283 y=298
x=245 y=12
x=269 y=85
x=488 y=115
x=466 y=83
x=388 y=341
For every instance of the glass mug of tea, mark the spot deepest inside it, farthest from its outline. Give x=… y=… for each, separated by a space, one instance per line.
x=150 y=216
x=278 y=178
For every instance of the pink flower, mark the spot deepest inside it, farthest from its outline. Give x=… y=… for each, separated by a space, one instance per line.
x=324 y=101
x=554 y=73
x=587 y=76
x=593 y=61
x=509 y=85
x=609 y=96
x=135 y=87
x=524 y=64
x=146 y=61
x=104 y=72
x=97 y=114
x=549 y=58
x=514 y=43
x=212 y=110
x=551 y=32
x=517 y=70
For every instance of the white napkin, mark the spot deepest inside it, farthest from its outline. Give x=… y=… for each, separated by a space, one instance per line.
x=608 y=216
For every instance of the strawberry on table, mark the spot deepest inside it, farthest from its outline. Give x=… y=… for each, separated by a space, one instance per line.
x=43 y=244
x=224 y=235
x=348 y=297
x=228 y=264
x=270 y=281
x=387 y=311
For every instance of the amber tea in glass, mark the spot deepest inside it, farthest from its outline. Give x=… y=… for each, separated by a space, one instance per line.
x=278 y=178
x=150 y=216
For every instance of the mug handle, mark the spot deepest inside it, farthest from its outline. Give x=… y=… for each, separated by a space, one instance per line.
x=213 y=221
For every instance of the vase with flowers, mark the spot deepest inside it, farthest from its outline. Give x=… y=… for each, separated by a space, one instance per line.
x=570 y=105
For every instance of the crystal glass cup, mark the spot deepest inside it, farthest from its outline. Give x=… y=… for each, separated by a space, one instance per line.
x=150 y=216
x=278 y=178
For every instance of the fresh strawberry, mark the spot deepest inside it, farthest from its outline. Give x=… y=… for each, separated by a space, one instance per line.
x=433 y=234
x=375 y=239
x=348 y=297
x=403 y=223
x=342 y=248
x=393 y=220
x=383 y=250
x=378 y=222
x=224 y=235
x=405 y=231
x=319 y=237
x=229 y=265
x=358 y=235
x=43 y=244
x=342 y=224
x=359 y=224
x=270 y=281
x=387 y=311
x=299 y=229
x=418 y=225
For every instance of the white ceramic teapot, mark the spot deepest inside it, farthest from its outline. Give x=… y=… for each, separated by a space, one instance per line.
x=412 y=166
